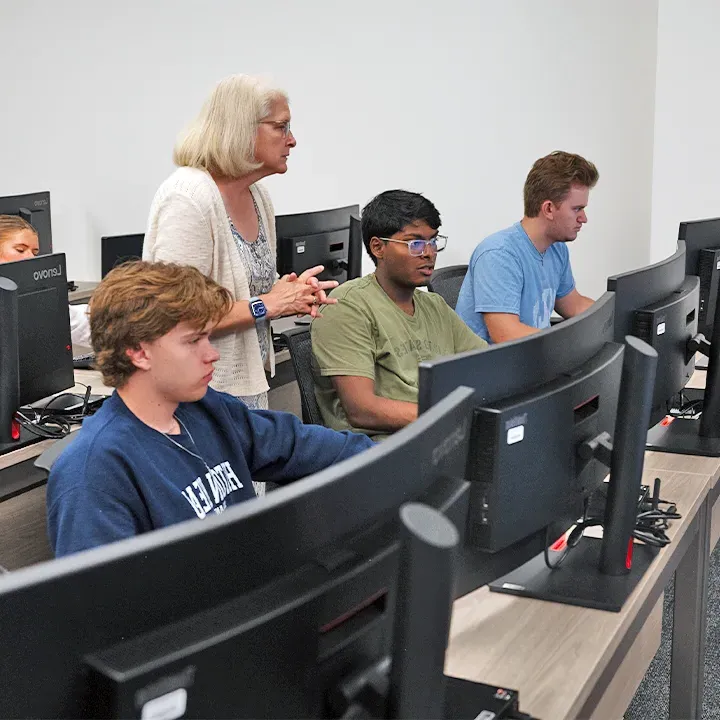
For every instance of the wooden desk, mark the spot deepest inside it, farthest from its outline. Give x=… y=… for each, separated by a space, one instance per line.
x=30 y=452
x=83 y=293
x=564 y=660
x=23 y=537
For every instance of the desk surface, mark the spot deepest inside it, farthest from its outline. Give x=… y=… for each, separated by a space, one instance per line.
x=83 y=293
x=82 y=378
x=555 y=654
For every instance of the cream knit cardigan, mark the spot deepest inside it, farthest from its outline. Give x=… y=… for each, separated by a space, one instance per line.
x=189 y=225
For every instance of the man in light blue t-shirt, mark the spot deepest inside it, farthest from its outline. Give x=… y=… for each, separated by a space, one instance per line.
x=517 y=276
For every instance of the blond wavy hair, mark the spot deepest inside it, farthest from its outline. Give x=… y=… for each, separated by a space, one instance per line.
x=221 y=139
x=10 y=225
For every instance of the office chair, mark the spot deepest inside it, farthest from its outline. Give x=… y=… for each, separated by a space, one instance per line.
x=300 y=347
x=447 y=281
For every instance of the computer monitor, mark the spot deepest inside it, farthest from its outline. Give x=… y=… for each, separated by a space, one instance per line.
x=695 y=428
x=117 y=249
x=35 y=344
x=274 y=608
x=35 y=209
x=658 y=304
x=702 y=244
x=541 y=403
x=328 y=237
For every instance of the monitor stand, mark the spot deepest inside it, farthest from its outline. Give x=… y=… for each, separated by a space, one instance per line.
x=578 y=581
x=26 y=438
x=682 y=436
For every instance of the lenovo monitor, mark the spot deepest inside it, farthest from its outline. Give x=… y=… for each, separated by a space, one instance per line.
x=540 y=402
x=702 y=243
x=280 y=607
x=35 y=349
x=35 y=209
x=117 y=249
x=327 y=237
x=658 y=304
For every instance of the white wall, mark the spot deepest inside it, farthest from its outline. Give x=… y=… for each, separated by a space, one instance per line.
x=455 y=99
x=686 y=173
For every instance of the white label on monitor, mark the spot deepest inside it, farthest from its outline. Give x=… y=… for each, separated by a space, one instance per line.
x=515 y=435
x=170 y=706
x=661 y=329
x=486 y=715
x=300 y=248
x=513 y=586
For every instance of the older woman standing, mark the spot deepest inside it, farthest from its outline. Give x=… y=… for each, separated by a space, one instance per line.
x=213 y=214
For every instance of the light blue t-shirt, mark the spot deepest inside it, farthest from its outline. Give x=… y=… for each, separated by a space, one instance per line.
x=507 y=274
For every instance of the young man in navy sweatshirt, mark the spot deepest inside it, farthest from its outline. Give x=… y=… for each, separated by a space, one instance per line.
x=165 y=447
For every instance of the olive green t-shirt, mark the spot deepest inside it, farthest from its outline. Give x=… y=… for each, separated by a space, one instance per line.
x=367 y=335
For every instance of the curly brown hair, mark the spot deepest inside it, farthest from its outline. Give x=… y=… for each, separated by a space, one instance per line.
x=142 y=301
x=552 y=176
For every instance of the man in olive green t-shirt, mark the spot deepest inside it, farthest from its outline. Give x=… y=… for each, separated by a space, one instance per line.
x=366 y=349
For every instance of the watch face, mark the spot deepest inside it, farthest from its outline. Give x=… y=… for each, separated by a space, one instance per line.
x=257 y=308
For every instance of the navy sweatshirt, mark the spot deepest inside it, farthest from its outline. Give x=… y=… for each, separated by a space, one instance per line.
x=120 y=477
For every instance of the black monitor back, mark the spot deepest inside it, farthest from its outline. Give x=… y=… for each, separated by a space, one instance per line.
x=117 y=249
x=320 y=238
x=659 y=305
x=537 y=399
x=35 y=208
x=256 y=612
x=45 y=350
x=702 y=246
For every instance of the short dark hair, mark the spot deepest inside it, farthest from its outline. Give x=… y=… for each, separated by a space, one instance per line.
x=390 y=211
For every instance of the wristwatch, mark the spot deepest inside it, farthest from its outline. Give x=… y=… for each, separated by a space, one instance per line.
x=257 y=309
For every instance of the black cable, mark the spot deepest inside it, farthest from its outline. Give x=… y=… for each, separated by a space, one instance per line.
x=52 y=428
x=43 y=423
x=573 y=538
x=652 y=520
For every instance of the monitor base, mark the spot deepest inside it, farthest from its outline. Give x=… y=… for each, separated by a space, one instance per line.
x=467 y=699
x=578 y=581
x=26 y=438
x=681 y=436
x=694 y=395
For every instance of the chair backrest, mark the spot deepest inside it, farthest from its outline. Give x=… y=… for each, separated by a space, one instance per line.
x=300 y=347
x=447 y=282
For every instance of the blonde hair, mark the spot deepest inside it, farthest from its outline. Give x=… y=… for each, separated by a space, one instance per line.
x=142 y=301
x=552 y=176
x=221 y=139
x=12 y=224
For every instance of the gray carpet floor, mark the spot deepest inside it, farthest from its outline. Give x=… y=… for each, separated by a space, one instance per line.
x=652 y=697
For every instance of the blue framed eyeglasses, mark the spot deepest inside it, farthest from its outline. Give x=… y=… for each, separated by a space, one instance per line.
x=417 y=247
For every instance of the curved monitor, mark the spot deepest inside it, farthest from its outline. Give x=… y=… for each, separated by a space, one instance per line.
x=537 y=399
x=659 y=305
x=257 y=612
x=645 y=286
x=520 y=365
x=702 y=245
